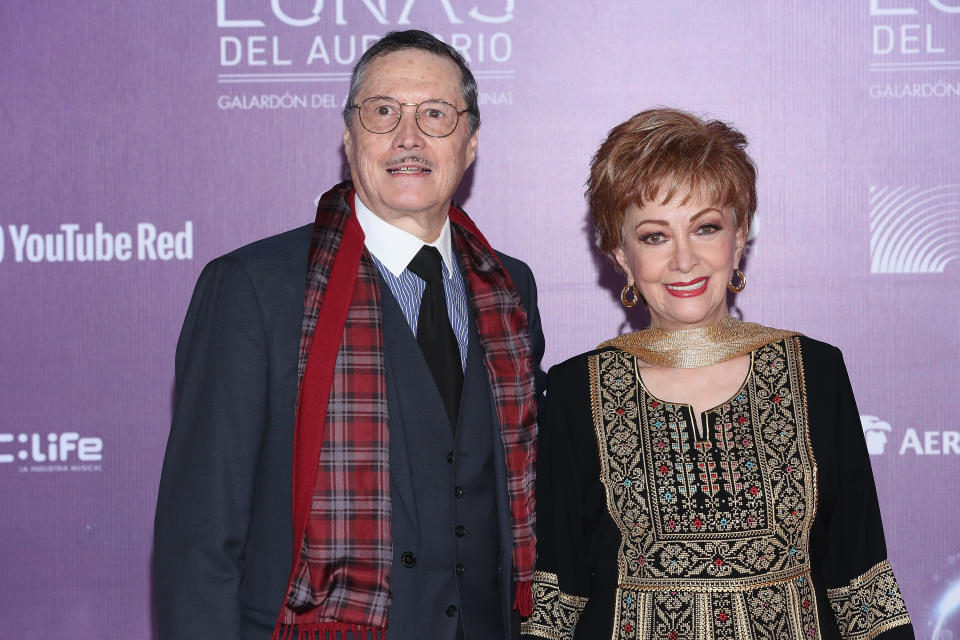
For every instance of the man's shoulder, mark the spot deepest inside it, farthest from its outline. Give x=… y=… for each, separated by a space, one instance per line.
x=518 y=269
x=274 y=265
x=509 y=261
x=295 y=242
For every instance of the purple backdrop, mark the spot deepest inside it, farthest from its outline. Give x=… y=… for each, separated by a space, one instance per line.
x=142 y=139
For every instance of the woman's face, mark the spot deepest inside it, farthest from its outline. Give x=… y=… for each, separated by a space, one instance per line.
x=681 y=257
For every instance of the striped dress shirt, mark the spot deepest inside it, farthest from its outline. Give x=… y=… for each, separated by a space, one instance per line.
x=392 y=250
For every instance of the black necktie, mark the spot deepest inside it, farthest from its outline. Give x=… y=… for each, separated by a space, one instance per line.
x=434 y=334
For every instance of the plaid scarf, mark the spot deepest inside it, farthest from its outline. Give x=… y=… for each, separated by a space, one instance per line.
x=341 y=472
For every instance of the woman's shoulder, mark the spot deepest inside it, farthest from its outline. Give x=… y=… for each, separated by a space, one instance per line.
x=575 y=365
x=573 y=374
x=824 y=373
x=816 y=353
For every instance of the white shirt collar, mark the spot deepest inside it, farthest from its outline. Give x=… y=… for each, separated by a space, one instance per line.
x=393 y=246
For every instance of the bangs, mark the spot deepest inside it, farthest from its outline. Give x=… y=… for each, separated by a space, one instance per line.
x=681 y=187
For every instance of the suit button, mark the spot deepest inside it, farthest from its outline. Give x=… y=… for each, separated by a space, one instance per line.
x=458 y=491
x=408 y=558
x=460 y=569
x=460 y=531
x=450 y=458
x=451 y=611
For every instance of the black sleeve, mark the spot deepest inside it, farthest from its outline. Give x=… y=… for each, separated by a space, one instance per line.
x=862 y=591
x=535 y=329
x=563 y=581
x=206 y=486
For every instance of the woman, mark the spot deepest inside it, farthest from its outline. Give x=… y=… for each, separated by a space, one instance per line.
x=704 y=478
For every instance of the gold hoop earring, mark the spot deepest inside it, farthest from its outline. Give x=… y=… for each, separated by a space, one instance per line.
x=737 y=288
x=630 y=288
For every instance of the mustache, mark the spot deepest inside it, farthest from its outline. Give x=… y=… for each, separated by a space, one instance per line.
x=392 y=162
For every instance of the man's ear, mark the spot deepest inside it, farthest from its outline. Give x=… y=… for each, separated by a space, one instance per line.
x=472 y=147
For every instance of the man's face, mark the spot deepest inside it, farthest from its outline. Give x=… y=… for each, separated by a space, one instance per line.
x=405 y=176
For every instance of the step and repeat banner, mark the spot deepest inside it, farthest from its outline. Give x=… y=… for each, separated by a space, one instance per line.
x=142 y=139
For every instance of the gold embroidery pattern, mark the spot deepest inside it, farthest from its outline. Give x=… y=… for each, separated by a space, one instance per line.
x=555 y=613
x=806 y=604
x=730 y=511
x=715 y=531
x=785 y=610
x=720 y=617
x=870 y=605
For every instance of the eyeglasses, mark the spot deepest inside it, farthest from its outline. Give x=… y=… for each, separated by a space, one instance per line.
x=436 y=118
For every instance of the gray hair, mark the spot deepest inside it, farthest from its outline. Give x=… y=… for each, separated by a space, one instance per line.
x=415 y=39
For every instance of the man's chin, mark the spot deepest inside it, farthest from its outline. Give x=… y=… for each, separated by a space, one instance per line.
x=415 y=205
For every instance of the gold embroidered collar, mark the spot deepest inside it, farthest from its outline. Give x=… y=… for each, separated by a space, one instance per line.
x=688 y=348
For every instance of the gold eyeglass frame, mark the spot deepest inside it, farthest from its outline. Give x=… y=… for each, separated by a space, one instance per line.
x=416 y=114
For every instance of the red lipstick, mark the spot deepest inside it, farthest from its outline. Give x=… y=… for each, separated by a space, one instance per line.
x=690 y=289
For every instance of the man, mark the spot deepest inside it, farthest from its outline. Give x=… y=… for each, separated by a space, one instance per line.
x=381 y=362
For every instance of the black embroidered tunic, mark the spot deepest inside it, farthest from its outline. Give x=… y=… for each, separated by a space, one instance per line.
x=767 y=528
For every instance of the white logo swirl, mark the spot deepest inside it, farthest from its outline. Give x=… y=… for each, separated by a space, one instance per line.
x=914 y=230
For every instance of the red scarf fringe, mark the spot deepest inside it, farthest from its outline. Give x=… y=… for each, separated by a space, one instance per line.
x=327 y=631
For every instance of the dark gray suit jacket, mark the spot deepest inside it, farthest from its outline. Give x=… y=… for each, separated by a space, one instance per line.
x=223 y=531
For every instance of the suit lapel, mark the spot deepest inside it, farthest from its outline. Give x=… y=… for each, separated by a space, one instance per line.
x=401 y=350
